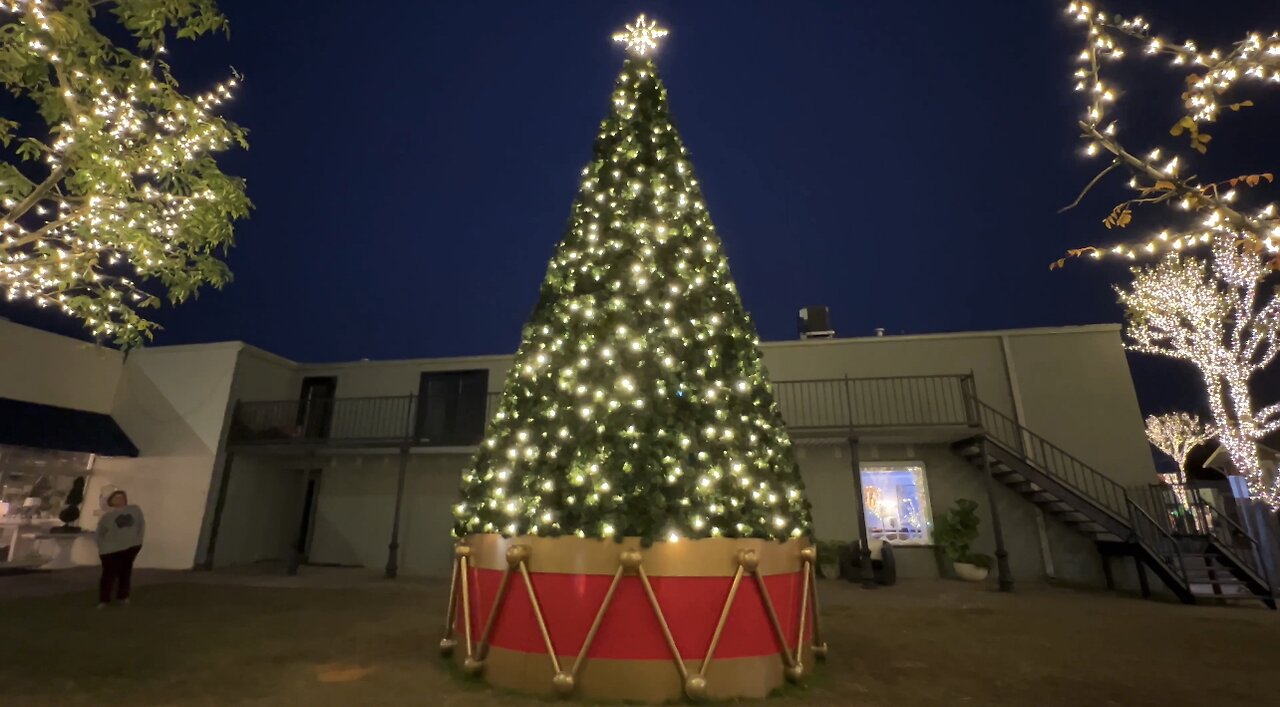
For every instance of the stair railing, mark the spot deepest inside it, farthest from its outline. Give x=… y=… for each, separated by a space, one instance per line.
x=1228 y=534
x=1086 y=481
x=1147 y=532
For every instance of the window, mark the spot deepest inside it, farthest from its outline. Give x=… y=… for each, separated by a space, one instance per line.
x=896 y=502
x=452 y=407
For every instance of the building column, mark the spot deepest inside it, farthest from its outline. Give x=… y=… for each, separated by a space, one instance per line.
x=865 y=573
x=1005 y=576
x=393 y=548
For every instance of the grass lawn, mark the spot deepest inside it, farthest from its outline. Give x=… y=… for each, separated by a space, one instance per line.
x=374 y=643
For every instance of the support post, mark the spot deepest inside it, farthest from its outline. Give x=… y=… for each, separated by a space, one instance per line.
x=1005 y=576
x=969 y=390
x=865 y=573
x=219 y=504
x=1106 y=570
x=393 y=548
x=1142 y=577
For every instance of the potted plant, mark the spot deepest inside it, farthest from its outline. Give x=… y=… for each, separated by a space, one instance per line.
x=954 y=532
x=829 y=557
x=71 y=510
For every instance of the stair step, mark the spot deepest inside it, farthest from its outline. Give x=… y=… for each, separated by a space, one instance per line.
x=1228 y=597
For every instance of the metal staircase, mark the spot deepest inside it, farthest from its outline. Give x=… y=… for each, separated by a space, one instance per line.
x=1212 y=559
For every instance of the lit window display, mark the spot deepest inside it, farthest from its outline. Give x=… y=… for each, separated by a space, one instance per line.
x=896 y=502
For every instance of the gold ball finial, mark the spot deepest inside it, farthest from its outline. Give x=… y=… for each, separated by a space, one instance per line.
x=809 y=554
x=794 y=672
x=749 y=560
x=641 y=36
x=630 y=559
x=563 y=683
x=517 y=554
x=696 y=687
x=462 y=551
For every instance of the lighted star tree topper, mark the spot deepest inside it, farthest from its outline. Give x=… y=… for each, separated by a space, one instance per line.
x=637 y=403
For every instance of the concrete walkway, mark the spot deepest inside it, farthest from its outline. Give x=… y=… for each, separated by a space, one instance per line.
x=85 y=579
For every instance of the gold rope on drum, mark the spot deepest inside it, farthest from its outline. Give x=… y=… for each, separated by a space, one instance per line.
x=810 y=555
x=696 y=686
x=448 y=643
x=790 y=665
x=595 y=625
x=517 y=557
x=662 y=622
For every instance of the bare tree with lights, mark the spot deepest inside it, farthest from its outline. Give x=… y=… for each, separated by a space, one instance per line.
x=1217 y=318
x=110 y=197
x=1176 y=434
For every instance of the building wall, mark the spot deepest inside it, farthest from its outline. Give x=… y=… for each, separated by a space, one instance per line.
x=39 y=367
x=172 y=402
x=258 y=376
x=1077 y=391
x=263 y=511
x=356 y=502
x=885 y=356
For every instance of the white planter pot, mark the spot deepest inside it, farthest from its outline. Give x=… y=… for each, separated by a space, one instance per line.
x=968 y=572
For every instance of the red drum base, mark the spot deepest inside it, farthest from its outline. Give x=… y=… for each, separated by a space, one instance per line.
x=598 y=619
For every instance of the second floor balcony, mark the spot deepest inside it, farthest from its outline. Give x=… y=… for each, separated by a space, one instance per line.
x=919 y=408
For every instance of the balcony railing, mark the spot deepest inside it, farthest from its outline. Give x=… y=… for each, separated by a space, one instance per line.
x=808 y=406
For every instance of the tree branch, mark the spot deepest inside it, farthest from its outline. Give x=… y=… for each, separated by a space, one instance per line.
x=36 y=194
x=1092 y=182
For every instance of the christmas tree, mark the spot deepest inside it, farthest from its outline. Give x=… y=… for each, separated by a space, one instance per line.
x=637 y=404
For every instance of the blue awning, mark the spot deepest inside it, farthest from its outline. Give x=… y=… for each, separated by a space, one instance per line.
x=24 y=424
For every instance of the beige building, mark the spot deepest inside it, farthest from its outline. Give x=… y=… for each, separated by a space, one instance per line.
x=244 y=456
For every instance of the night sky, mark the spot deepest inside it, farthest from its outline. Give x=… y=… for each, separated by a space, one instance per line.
x=413 y=164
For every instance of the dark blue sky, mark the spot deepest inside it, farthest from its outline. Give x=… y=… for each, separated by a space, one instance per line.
x=413 y=164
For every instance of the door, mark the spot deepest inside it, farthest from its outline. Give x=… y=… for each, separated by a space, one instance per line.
x=451 y=408
x=315 y=406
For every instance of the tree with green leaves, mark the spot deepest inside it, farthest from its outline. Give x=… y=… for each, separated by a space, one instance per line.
x=637 y=404
x=110 y=197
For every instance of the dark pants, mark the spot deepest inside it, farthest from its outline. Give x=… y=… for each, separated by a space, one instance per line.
x=117 y=571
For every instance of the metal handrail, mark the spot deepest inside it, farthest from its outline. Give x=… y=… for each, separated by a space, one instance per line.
x=1220 y=520
x=878 y=402
x=1159 y=542
x=816 y=404
x=381 y=418
x=1057 y=462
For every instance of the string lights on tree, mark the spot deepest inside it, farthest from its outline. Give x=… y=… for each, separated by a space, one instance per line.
x=1164 y=176
x=1218 y=318
x=637 y=404
x=110 y=197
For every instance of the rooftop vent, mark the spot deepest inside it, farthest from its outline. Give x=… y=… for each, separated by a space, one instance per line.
x=815 y=323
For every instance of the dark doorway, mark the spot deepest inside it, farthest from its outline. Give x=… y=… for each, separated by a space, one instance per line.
x=451 y=408
x=315 y=406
